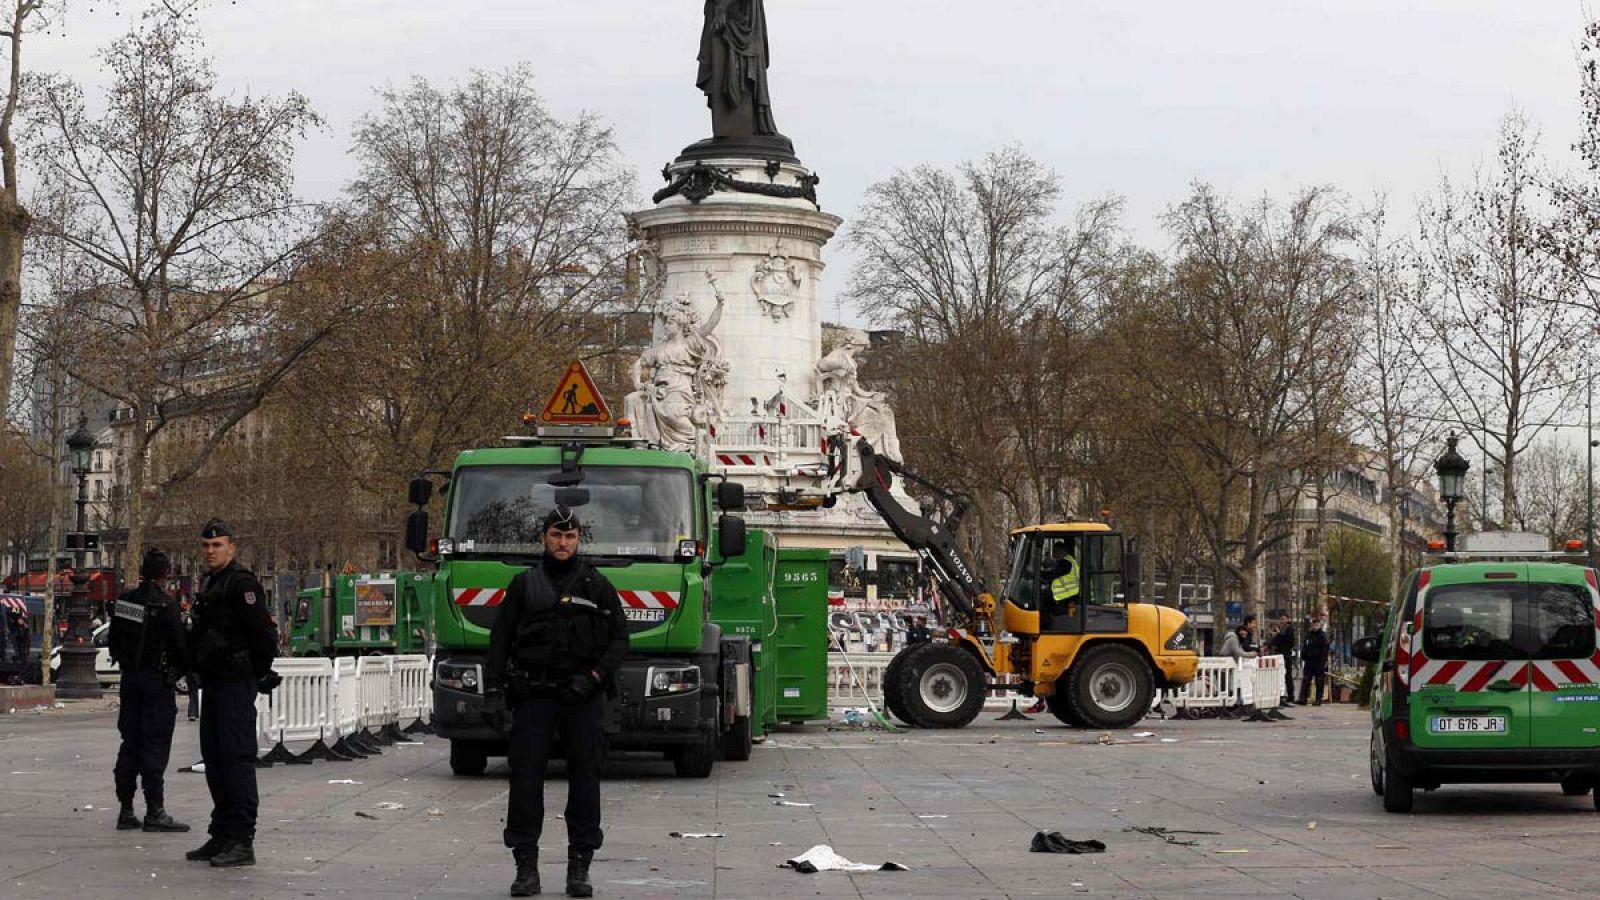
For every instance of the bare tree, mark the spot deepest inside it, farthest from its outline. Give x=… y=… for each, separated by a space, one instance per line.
x=1398 y=411
x=482 y=235
x=1550 y=491
x=1240 y=361
x=14 y=217
x=177 y=212
x=1501 y=330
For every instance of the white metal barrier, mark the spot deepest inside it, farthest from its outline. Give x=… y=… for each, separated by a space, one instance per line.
x=346 y=697
x=374 y=674
x=856 y=678
x=1212 y=687
x=408 y=687
x=1268 y=683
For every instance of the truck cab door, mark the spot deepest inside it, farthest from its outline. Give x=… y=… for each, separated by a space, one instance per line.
x=1105 y=605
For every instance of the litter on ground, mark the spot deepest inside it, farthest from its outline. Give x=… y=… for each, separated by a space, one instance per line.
x=822 y=858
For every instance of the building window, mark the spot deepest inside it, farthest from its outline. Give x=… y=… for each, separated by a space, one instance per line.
x=99 y=461
x=99 y=489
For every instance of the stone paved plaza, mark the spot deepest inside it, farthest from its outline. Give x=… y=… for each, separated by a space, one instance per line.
x=958 y=808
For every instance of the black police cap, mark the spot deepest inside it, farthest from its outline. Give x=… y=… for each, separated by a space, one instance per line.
x=155 y=565
x=216 y=528
x=562 y=518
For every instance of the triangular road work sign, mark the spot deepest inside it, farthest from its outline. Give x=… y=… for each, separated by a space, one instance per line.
x=575 y=400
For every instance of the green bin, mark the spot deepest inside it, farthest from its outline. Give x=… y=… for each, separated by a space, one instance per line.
x=800 y=647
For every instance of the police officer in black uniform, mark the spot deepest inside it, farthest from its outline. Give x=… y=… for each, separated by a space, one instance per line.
x=147 y=643
x=556 y=643
x=233 y=643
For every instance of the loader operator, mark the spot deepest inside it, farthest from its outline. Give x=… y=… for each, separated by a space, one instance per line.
x=1064 y=584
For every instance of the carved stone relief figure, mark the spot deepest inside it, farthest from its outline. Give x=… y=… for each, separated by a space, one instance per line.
x=776 y=283
x=846 y=404
x=680 y=379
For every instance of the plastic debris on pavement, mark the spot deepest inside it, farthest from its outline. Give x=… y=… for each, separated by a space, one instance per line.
x=343 y=781
x=822 y=858
x=1056 y=842
x=790 y=803
x=436 y=812
x=1144 y=734
x=390 y=805
x=695 y=834
x=364 y=815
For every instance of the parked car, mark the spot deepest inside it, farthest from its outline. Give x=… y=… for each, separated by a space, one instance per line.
x=104 y=666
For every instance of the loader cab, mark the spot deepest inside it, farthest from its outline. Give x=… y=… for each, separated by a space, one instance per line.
x=1072 y=575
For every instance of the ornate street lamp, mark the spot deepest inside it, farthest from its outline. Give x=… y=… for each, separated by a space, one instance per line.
x=1452 y=469
x=78 y=678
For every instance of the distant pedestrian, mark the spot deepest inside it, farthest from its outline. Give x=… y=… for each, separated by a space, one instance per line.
x=1282 y=644
x=1233 y=644
x=20 y=638
x=233 y=647
x=1247 y=634
x=1314 y=651
x=147 y=643
x=918 y=632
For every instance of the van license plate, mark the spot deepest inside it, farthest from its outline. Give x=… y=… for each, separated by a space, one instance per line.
x=1468 y=725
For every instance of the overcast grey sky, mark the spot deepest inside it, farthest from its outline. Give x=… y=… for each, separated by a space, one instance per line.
x=1133 y=98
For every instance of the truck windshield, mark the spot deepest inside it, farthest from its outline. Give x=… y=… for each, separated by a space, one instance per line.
x=634 y=512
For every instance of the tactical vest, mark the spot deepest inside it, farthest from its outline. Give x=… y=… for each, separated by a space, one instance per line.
x=562 y=629
x=138 y=642
x=1065 y=586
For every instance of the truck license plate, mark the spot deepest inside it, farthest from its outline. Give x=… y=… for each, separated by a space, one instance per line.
x=645 y=615
x=1468 y=725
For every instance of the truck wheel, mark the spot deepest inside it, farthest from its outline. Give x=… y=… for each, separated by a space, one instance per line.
x=1574 y=787
x=1397 y=795
x=695 y=760
x=1109 y=686
x=893 y=697
x=942 y=687
x=1375 y=764
x=468 y=757
x=1060 y=706
x=738 y=740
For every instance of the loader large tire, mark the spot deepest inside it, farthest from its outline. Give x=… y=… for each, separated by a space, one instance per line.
x=1109 y=686
x=941 y=686
x=1060 y=706
x=893 y=694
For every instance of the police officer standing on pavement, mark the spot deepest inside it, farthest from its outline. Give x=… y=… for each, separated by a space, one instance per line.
x=147 y=644
x=556 y=643
x=233 y=645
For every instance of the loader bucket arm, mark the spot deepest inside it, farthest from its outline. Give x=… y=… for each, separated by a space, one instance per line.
x=936 y=543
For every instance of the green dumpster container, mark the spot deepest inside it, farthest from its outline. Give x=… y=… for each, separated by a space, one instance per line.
x=800 y=646
x=742 y=603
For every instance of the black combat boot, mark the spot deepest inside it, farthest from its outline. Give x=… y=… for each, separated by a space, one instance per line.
x=157 y=819
x=207 y=851
x=126 y=820
x=526 y=884
x=241 y=852
x=578 y=873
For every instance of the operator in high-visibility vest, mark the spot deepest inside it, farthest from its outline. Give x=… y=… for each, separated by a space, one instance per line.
x=1064 y=580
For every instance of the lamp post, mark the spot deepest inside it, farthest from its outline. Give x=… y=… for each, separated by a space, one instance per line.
x=78 y=678
x=1452 y=470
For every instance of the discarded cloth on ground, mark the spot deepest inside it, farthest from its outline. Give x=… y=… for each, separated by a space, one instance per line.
x=821 y=858
x=1055 y=842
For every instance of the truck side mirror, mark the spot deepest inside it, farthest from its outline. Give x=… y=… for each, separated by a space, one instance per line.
x=730 y=536
x=1365 y=649
x=417 y=531
x=420 y=492
x=730 y=496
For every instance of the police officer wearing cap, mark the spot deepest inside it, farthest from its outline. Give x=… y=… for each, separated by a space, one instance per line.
x=556 y=643
x=233 y=644
x=147 y=643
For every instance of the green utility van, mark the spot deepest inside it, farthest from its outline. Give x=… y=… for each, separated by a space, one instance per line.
x=1489 y=674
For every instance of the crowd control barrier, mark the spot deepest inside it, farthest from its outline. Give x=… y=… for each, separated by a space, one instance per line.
x=347 y=708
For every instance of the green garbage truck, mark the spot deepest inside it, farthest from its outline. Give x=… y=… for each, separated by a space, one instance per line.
x=362 y=614
x=661 y=526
